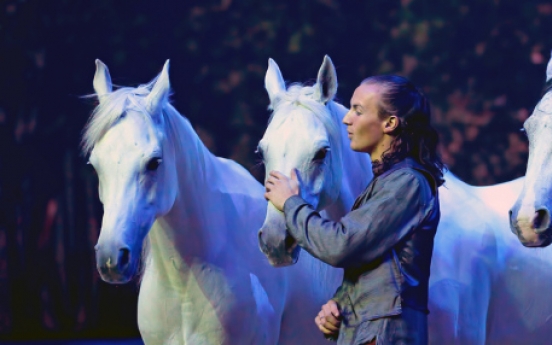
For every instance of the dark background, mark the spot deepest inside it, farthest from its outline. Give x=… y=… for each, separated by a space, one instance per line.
x=481 y=62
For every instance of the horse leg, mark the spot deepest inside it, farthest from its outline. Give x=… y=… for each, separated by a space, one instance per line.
x=457 y=314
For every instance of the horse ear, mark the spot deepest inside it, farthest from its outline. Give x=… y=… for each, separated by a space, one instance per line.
x=549 y=69
x=160 y=90
x=326 y=83
x=102 y=80
x=274 y=82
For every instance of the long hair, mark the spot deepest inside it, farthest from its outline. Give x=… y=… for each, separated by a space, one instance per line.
x=414 y=136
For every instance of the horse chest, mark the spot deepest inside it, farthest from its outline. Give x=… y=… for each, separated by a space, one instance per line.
x=197 y=303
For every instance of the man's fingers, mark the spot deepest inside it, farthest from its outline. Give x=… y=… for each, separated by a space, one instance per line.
x=330 y=319
x=334 y=309
x=325 y=330
x=276 y=174
x=326 y=308
x=326 y=322
x=330 y=326
x=321 y=314
x=322 y=328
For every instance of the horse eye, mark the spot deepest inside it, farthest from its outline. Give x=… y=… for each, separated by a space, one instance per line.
x=259 y=153
x=522 y=130
x=153 y=164
x=92 y=168
x=321 y=154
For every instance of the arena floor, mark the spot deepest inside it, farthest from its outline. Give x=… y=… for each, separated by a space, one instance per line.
x=76 y=342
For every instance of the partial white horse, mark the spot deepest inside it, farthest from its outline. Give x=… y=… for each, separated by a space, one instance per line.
x=475 y=294
x=204 y=281
x=530 y=216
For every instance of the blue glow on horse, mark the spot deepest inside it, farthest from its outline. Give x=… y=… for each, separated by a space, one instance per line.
x=483 y=282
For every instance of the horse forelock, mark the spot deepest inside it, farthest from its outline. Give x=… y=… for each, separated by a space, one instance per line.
x=110 y=109
x=300 y=98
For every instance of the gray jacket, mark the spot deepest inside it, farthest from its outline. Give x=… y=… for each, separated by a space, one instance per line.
x=384 y=245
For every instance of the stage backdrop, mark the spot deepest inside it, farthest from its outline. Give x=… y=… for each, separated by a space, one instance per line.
x=481 y=62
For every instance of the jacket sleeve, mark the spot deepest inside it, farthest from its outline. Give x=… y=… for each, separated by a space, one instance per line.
x=396 y=207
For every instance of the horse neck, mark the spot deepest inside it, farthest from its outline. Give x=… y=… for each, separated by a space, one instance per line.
x=357 y=168
x=189 y=226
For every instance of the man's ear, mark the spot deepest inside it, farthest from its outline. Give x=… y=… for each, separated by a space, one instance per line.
x=390 y=124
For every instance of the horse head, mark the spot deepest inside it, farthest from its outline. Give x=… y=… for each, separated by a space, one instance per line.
x=127 y=147
x=304 y=135
x=530 y=215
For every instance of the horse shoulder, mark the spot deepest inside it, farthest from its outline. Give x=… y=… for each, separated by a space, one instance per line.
x=466 y=247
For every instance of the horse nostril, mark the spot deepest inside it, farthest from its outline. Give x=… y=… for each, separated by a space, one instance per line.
x=513 y=221
x=289 y=242
x=124 y=257
x=541 y=221
x=260 y=236
x=262 y=243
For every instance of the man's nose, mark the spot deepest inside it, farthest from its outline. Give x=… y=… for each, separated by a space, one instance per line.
x=345 y=118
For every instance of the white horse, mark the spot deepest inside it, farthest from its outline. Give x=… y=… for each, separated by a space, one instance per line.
x=305 y=132
x=475 y=294
x=204 y=281
x=530 y=216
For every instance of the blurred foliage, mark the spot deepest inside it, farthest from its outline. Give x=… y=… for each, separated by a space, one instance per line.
x=481 y=62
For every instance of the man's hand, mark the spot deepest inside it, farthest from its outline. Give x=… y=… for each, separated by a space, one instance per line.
x=329 y=319
x=279 y=188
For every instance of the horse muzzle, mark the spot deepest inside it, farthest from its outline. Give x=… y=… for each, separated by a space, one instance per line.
x=115 y=266
x=285 y=253
x=533 y=231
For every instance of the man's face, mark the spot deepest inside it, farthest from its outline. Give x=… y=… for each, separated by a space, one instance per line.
x=364 y=126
